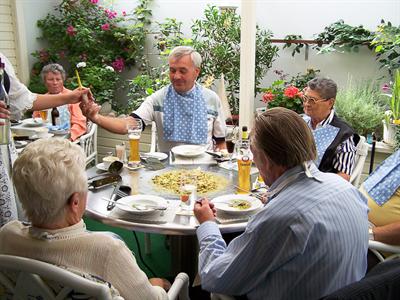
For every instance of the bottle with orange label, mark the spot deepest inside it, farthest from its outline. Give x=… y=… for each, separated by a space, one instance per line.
x=244 y=161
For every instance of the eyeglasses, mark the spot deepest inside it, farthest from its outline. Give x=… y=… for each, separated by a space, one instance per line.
x=312 y=100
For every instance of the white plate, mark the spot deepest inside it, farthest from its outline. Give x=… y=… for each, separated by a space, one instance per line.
x=102 y=167
x=37 y=122
x=223 y=203
x=127 y=203
x=189 y=150
x=158 y=155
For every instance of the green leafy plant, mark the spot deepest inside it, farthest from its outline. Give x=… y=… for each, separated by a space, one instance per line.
x=83 y=31
x=387 y=45
x=340 y=36
x=359 y=106
x=217 y=38
x=289 y=44
x=393 y=115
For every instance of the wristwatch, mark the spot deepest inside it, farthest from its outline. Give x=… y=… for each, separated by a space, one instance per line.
x=371 y=234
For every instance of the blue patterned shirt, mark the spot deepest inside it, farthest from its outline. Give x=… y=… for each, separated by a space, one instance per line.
x=308 y=241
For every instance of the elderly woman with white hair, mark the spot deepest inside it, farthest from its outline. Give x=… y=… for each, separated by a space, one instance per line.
x=51 y=183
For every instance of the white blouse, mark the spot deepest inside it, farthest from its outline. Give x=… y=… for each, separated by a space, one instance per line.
x=21 y=98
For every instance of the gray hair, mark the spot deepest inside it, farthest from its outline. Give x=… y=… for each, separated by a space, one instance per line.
x=325 y=87
x=180 y=51
x=45 y=175
x=53 y=68
x=284 y=137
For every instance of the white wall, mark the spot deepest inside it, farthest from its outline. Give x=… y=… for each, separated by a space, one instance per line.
x=283 y=17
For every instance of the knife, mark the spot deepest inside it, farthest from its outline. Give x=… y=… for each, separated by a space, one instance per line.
x=111 y=203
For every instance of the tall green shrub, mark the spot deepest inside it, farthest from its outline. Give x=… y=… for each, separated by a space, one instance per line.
x=360 y=107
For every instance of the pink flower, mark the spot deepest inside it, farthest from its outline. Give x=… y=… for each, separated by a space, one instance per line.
x=386 y=88
x=94 y=1
x=71 y=31
x=291 y=91
x=118 y=64
x=268 y=97
x=110 y=14
x=105 y=27
x=124 y=13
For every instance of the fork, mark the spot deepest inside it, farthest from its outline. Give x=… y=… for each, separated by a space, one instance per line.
x=121 y=194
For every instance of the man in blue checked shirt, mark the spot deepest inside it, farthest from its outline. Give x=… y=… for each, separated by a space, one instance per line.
x=309 y=239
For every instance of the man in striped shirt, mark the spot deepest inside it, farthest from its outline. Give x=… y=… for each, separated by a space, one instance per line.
x=309 y=239
x=335 y=139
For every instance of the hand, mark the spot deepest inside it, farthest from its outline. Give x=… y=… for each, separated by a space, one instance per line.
x=164 y=283
x=4 y=112
x=77 y=95
x=204 y=211
x=90 y=110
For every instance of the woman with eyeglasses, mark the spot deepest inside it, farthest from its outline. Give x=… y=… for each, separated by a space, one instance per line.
x=336 y=140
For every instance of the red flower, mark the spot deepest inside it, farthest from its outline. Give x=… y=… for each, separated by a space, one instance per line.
x=268 y=97
x=71 y=31
x=105 y=27
x=291 y=91
x=118 y=64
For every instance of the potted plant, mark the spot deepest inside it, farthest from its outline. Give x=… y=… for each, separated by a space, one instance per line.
x=360 y=106
x=392 y=116
x=287 y=93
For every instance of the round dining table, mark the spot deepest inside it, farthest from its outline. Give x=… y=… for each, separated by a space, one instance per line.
x=174 y=223
x=181 y=228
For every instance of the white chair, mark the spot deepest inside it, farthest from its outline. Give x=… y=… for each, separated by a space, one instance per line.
x=378 y=247
x=26 y=278
x=361 y=156
x=88 y=142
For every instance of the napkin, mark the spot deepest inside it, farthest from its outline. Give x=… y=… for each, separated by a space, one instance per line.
x=64 y=126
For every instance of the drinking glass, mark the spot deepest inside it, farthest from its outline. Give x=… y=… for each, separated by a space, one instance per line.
x=134 y=132
x=44 y=115
x=188 y=191
x=120 y=152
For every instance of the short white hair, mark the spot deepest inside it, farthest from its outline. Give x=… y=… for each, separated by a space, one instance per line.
x=180 y=51
x=46 y=174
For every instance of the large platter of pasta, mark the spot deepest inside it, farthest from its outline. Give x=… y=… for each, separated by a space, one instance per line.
x=206 y=182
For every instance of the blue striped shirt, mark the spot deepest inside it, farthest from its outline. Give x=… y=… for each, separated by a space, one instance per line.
x=309 y=240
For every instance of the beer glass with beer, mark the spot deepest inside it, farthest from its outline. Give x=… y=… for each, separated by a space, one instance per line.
x=134 y=132
x=44 y=115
